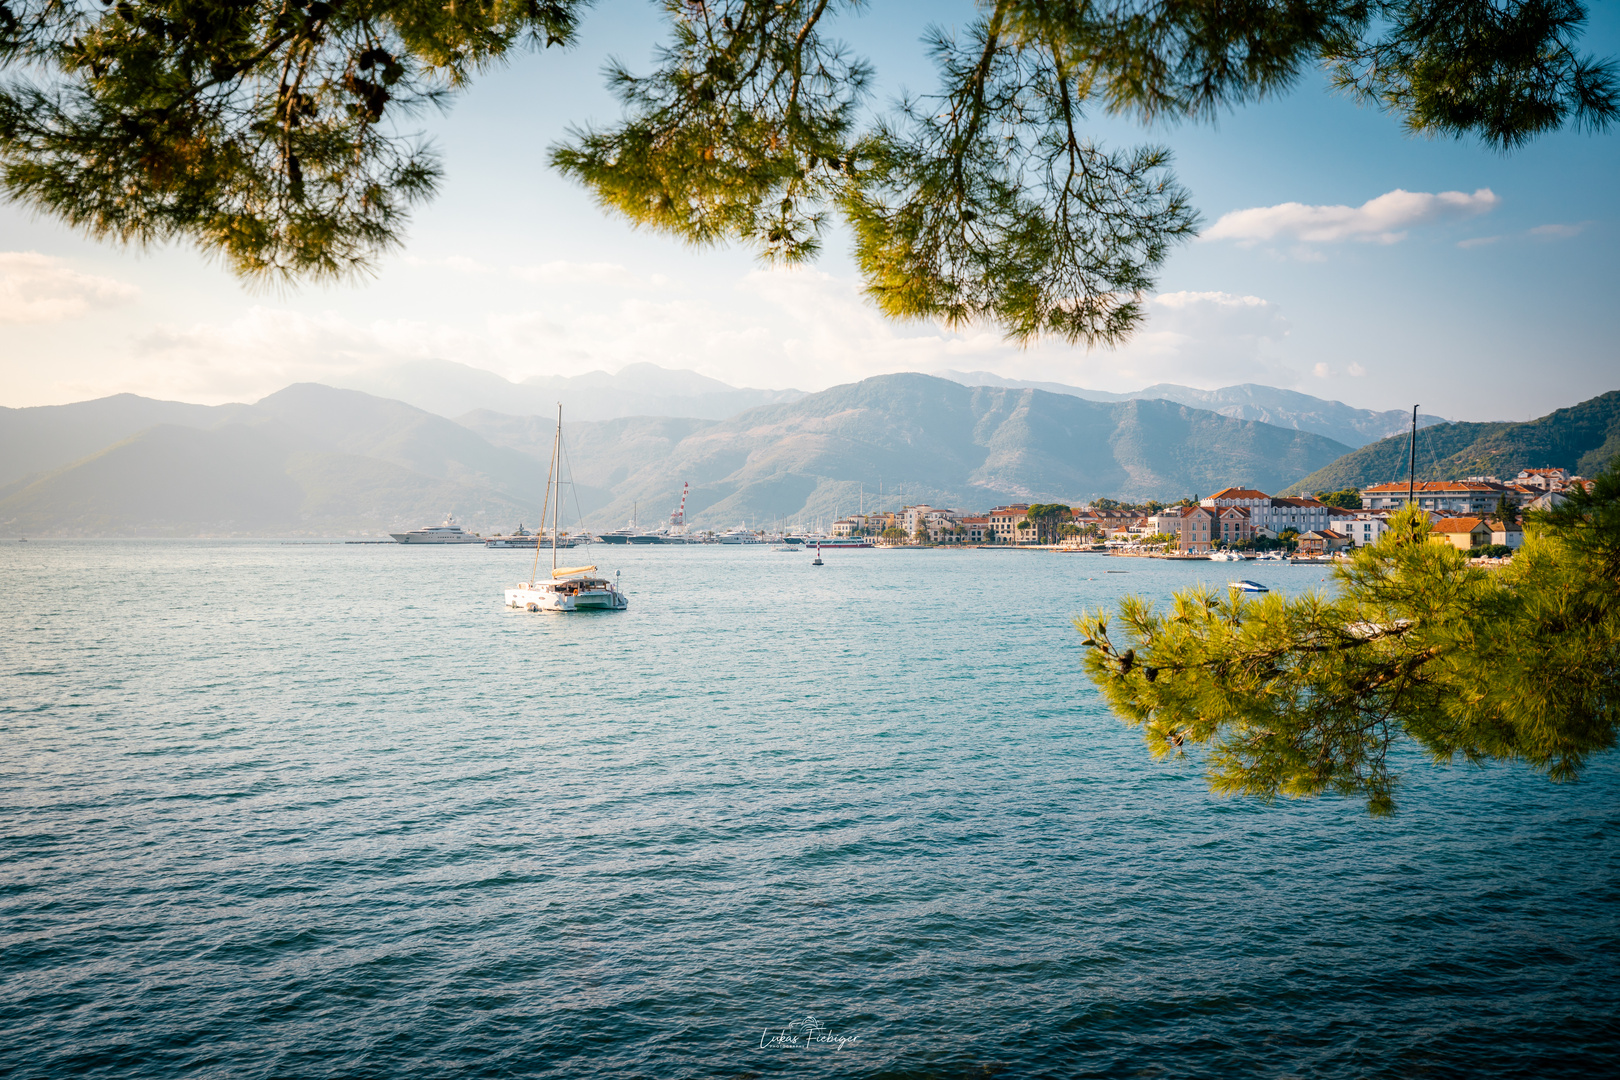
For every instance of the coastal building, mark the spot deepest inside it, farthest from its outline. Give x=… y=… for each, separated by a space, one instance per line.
x=1111 y=522
x=1197 y=527
x=1543 y=480
x=1233 y=525
x=1461 y=532
x=1166 y=521
x=973 y=529
x=1507 y=533
x=1365 y=528
x=1278 y=515
x=1449 y=497
x=1236 y=496
x=847 y=526
x=1322 y=542
x=1004 y=522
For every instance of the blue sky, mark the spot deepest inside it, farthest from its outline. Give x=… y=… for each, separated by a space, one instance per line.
x=1484 y=292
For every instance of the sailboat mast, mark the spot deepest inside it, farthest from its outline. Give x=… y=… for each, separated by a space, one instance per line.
x=556 y=505
x=1411 y=463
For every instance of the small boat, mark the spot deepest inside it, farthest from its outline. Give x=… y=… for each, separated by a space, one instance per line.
x=569 y=588
x=447 y=533
x=1248 y=586
x=1225 y=556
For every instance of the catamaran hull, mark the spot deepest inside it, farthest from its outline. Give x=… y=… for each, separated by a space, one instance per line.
x=545 y=600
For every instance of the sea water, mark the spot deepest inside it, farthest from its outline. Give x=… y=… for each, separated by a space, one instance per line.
x=300 y=810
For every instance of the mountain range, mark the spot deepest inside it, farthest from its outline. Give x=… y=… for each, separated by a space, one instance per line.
x=1582 y=438
x=451 y=389
x=318 y=460
x=1247 y=401
x=313 y=459
x=915 y=438
x=306 y=460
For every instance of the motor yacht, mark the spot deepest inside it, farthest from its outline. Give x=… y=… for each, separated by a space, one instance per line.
x=447 y=533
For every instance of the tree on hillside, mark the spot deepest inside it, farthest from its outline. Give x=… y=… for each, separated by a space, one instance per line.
x=1347 y=499
x=276 y=134
x=1300 y=696
x=1507 y=511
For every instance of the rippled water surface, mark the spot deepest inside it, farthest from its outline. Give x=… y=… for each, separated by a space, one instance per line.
x=274 y=810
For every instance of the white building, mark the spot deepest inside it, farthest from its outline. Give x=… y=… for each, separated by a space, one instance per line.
x=1365 y=527
x=1301 y=515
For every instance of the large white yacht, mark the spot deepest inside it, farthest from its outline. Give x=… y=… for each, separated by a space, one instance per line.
x=448 y=533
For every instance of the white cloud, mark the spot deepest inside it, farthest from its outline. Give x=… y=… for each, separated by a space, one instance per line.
x=36 y=288
x=1357 y=371
x=1321 y=371
x=1383 y=220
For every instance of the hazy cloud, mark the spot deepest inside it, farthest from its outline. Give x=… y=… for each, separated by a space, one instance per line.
x=1559 y=232
x=36 y=288
x=1383 y=220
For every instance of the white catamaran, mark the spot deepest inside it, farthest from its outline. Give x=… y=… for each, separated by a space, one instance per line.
x=570 y=588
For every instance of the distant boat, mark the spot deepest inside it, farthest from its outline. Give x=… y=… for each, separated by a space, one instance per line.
x=447 y=533
x=1225 y=556
x=523 y=539
x=569 y=588
x=844 y=542
x=1248 y=586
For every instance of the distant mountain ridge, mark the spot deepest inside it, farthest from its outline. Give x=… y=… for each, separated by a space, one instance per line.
x=935 y=440
x=1582 y=438
x=450 y=389
x=316 y=460
x=1247 y=401
x=308 y=459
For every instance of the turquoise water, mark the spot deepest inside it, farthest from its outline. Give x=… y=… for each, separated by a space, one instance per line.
x=273 y=810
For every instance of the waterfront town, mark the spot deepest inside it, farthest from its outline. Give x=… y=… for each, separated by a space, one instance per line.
x=1479 y=515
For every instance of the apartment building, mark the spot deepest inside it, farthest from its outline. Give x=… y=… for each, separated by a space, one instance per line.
x=1004 y=522
x=1236 y=497
x=1452 y=498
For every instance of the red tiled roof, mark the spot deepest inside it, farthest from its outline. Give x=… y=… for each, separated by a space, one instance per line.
x=1435 y=485
x=1459 y=524
x=1239 y=493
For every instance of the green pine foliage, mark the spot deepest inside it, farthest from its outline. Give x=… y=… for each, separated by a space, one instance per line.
x=268 y=132
x=1298 y=696
x=275 y=133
